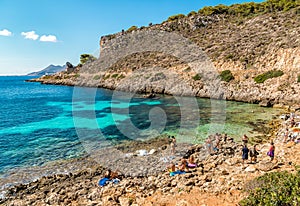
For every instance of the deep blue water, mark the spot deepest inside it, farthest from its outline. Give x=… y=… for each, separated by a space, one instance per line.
x=43 y=123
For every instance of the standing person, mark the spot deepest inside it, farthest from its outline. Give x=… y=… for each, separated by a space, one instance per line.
x=286 y=135
x=253 y=154
x=293 y=123
x=271 y=152
x=209 y=145
x=245 y=152
x=225 y=138
x=173 y=145
x=218 y=141
x=245 y=139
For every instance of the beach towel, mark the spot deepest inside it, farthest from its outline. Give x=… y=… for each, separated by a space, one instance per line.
x=103 y=181
x=178 y=172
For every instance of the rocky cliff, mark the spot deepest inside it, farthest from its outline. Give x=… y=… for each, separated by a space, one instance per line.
x=187 y=55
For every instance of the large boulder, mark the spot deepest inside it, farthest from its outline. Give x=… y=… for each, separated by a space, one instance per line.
x=69 y=67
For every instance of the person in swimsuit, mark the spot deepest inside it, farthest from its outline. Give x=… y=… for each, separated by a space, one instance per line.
x=172 y=169
x=209 y=145
x=173 y=145
x=191 y=162
x=286 y=135
x=271 y=152
x=109 y=176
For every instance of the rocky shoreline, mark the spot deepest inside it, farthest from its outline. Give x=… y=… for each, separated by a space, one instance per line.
x=247 y=92
x=221 y=175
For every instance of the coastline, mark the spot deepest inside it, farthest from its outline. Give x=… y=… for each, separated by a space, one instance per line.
x=32 y=173
x=244 y=94
x=224 y=169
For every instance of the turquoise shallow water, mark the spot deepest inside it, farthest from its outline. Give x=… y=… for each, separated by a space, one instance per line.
x=44 y=123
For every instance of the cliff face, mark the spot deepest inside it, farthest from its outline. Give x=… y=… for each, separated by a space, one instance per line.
x=185 y=56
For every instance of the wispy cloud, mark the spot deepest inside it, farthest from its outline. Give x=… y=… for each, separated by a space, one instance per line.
x=5 y=32
x=30 y=35
x=48 y=38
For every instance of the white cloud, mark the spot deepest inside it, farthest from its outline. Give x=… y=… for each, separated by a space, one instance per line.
x=48 y=38
x=30 y=35
x=5 y=32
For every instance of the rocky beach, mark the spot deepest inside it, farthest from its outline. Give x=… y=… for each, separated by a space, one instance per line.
x=219 y=179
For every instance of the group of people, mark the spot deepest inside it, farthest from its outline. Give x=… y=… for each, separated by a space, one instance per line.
x=212 y=144
x=253 y=152
x=183 y=166
x=291 y=133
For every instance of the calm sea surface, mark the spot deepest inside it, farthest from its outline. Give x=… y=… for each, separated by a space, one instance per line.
x=45 y=123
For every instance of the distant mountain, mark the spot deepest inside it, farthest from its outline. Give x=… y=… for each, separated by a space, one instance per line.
x=51 y=69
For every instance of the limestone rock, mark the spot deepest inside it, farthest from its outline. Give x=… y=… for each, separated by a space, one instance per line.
x=250 y=168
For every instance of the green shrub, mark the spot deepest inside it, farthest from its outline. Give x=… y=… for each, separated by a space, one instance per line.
x=121 y=76
x=133 y=28
x=276 y=189
x=106 y=77
x=86 y=58
x=298 y=78
x=229 y=56
x=96 y=77
x=226 y=76
x=268 y=75
x=114 y=75
x=192 y=13
x=197 y=77
x=251 y=8
x=175 y=17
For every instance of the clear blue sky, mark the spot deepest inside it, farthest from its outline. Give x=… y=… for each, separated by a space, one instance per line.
x=36 y=33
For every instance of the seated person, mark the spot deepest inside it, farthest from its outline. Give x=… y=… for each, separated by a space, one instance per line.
x=109 y=176
x=191 y=162
x=183 y=165
x=172 y=169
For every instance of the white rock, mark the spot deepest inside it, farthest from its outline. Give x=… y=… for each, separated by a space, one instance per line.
x=251 y=168
x=142 y=152
x=152 y=151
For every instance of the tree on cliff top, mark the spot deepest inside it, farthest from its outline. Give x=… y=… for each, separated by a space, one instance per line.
x=86 y=58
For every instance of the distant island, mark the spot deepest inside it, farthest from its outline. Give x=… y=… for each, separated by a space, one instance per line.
x=49 y=70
